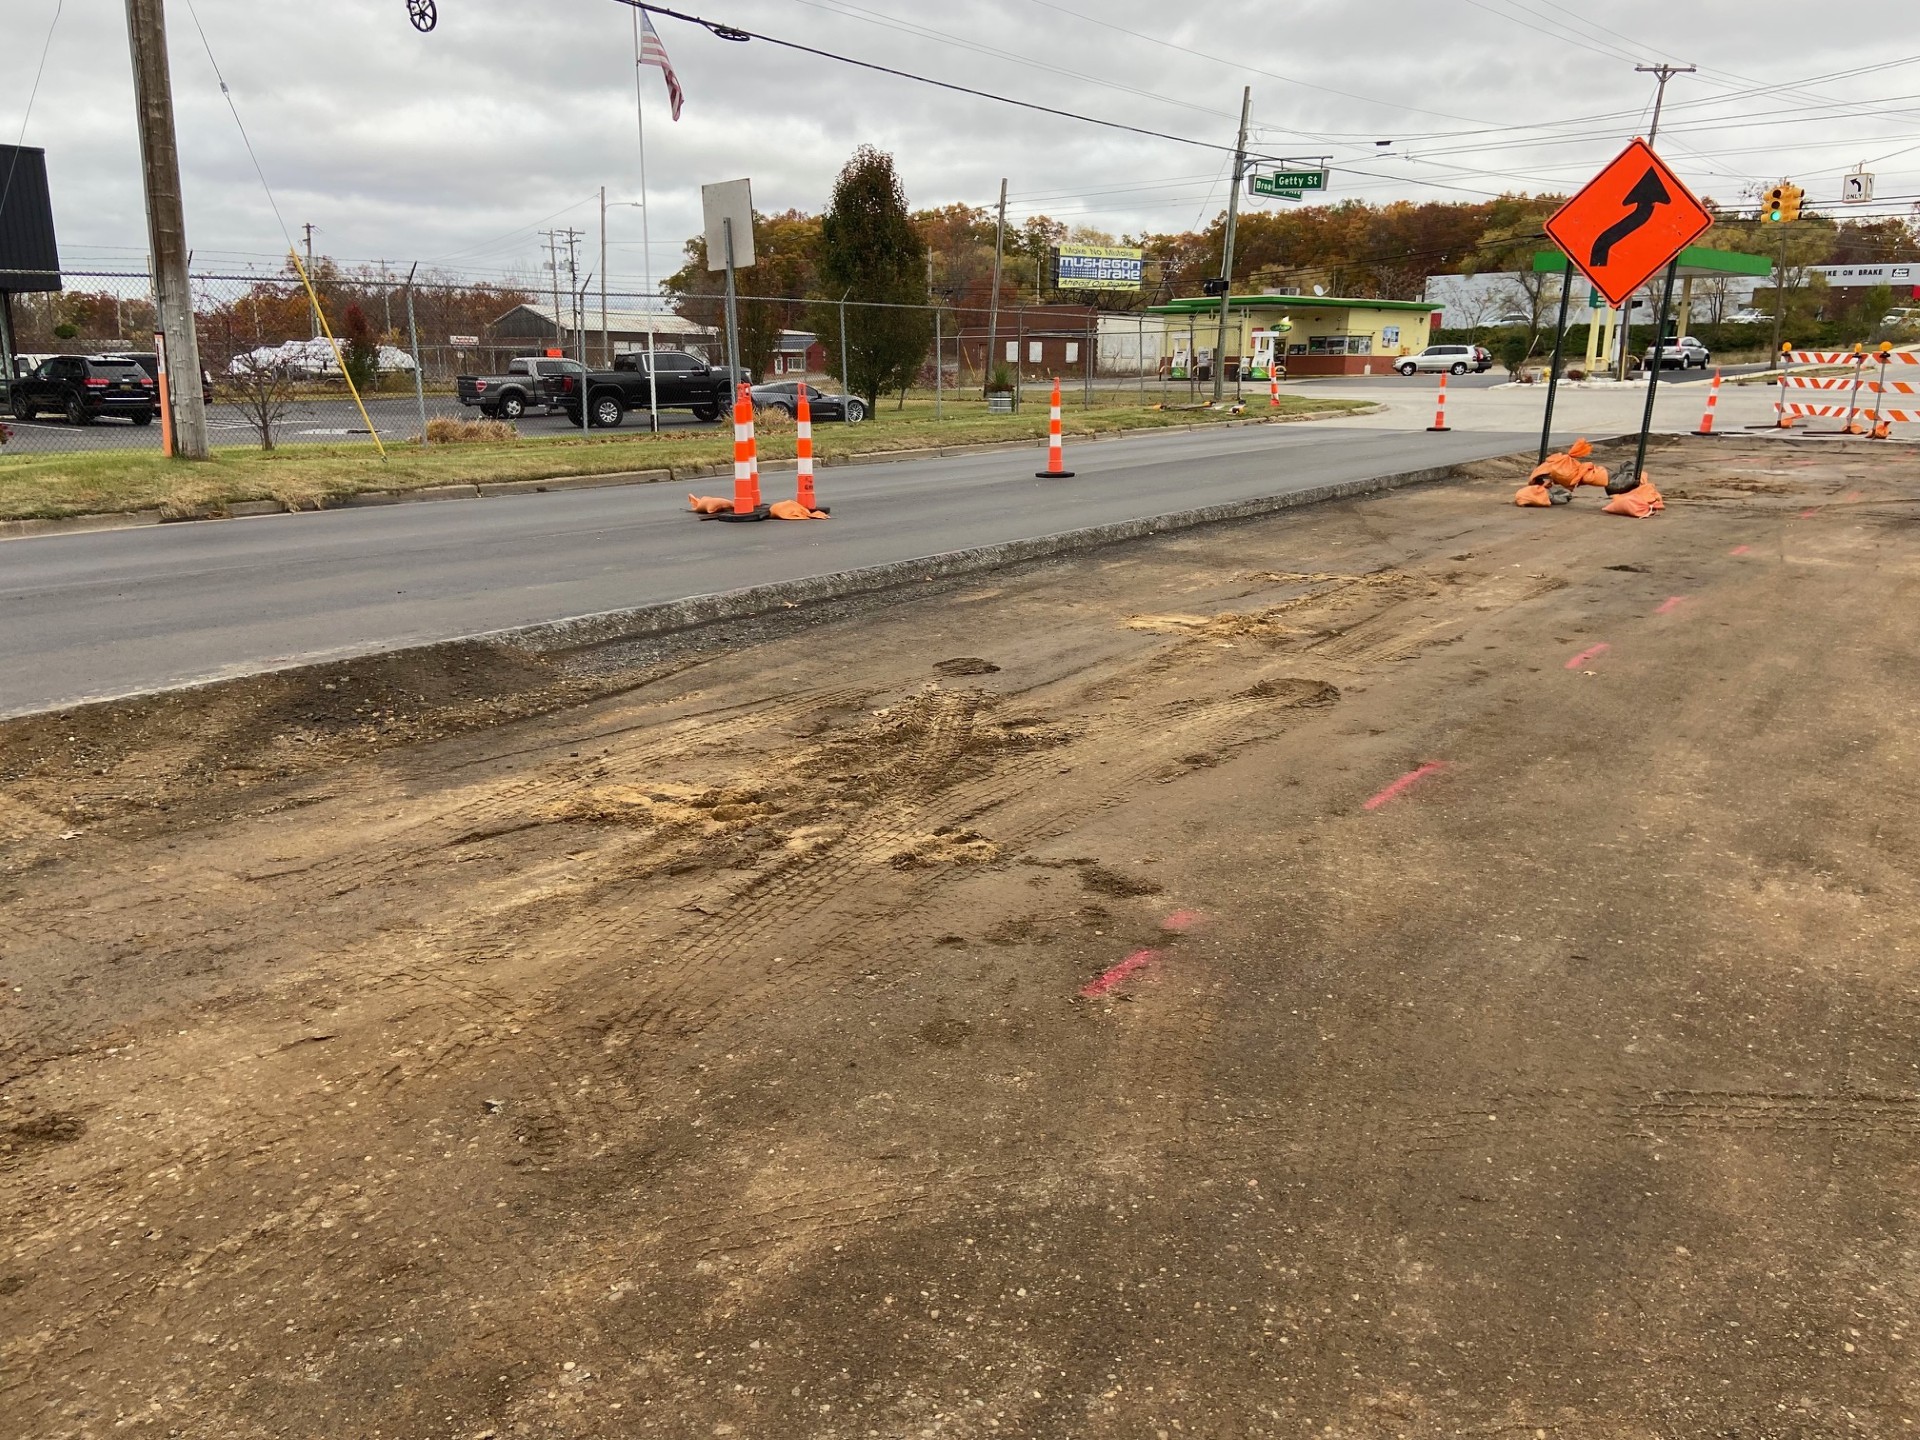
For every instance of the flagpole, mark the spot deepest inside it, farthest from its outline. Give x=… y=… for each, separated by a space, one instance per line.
x=646 y=247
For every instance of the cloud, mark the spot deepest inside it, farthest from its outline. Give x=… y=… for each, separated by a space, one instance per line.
x=455 y=148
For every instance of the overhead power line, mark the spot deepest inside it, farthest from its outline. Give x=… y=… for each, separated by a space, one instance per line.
x=723 y=31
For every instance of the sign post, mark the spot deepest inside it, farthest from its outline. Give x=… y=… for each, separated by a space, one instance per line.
x=1632 y=218
x=1553 y=370
x=728 y=213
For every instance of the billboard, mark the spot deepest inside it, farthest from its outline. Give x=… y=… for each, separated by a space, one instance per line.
x=1097 y=267
x=29 y=258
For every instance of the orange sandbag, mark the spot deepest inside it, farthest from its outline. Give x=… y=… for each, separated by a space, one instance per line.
x=1580 y=449
x=1639 y=502
x=794 y=510
x=1560 y=469
x=1532 y=495
x=1591 y=474
x=708 y=504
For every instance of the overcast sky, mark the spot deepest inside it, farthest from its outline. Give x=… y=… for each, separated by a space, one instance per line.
x=456 y=148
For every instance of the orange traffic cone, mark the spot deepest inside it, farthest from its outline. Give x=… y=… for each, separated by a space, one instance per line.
x=1273 y=389
x=803 y=451
x=1056 y=459
x=746 y=464
x=1440 y=413
x=1713 y=398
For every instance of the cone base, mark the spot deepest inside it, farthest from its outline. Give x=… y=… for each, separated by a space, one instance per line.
x=1053 y=474
x=735 y=517
x=1436 y=429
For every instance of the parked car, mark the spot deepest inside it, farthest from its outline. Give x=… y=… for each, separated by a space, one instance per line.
x=784 y=396
x=85 y=387
x=1454 y=359
x=530 y=380
x=148 y=361
x=1686 y=352
x=683 y=382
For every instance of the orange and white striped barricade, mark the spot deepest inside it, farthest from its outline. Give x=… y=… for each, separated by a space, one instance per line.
x=1880 y=418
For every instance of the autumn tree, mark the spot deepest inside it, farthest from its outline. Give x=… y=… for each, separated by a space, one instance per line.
x=1797 y=295
x=359 y=349
x=870 y=252
x=785 y=264
x=1515 y=233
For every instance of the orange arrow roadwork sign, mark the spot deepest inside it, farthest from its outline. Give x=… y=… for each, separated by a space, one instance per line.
x=1632 y=218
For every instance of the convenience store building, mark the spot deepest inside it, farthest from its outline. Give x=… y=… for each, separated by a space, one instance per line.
x=1309 y=334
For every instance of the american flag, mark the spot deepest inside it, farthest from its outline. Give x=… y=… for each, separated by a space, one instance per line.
x=652 y=52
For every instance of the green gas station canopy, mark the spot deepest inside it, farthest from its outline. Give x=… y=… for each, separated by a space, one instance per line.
x=1695 y=261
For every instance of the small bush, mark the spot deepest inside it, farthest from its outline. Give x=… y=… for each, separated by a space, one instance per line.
x=1513 y=351
x=443 y=430
x=1574 y=372
x=772 y=420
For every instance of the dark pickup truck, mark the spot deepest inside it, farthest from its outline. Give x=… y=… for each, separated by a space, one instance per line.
x=530 y=380
x=686 y=382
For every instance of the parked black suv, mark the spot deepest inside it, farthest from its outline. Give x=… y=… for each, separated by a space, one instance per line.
x=149 y=361
x=83 y=388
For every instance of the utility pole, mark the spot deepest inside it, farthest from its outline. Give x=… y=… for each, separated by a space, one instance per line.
x=606 y=347
x=573 y=278
x=167 y=223
x=1662 y=74
x=993 y=301
x=553 y=269
x=313 y=321
x=1226 y=257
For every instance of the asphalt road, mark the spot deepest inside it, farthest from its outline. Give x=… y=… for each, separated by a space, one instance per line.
x=91 y=616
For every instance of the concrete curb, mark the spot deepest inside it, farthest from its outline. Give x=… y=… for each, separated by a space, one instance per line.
x=481 y=490
x=668 y=616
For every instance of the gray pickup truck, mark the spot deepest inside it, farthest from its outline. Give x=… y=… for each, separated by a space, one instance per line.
x=686 y=382
x=530 y=380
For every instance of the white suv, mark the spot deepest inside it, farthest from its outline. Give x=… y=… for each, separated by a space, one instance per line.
x=1454 y=359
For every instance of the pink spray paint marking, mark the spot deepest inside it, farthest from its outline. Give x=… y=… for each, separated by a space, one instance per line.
x=1809 y=514
x=1181 y=921
x=1850 y=497
x=1587 y=654
x=1670 y=604
x=1402 y=784
x=1740 y=550
x=1139 y=960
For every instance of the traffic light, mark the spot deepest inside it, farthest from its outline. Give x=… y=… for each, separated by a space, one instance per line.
x=1783 y=202
x=1214 y=285
x=1776 y=202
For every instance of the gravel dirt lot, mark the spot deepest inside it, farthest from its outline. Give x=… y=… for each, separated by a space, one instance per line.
x=1409 y=968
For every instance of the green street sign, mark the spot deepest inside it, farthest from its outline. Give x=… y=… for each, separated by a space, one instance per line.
x=1287 y=184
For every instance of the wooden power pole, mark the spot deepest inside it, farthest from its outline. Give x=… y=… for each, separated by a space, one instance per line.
x=1226 y=250
x=167 y=223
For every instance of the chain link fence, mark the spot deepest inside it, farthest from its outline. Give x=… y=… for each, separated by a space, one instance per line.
x=271 y=371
